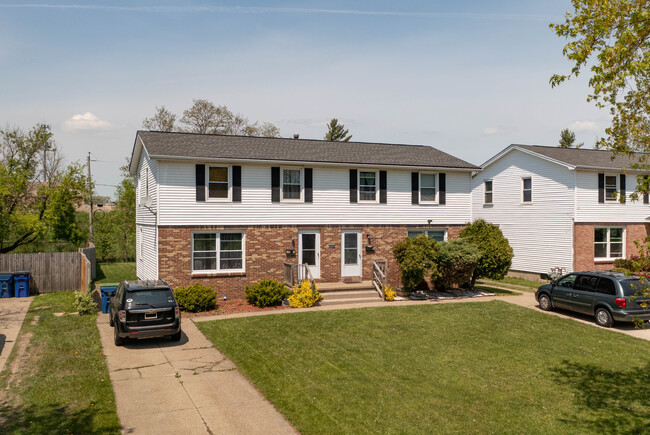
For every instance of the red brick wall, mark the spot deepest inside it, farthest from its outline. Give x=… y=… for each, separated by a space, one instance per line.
x=583 y=244
x=265 y=252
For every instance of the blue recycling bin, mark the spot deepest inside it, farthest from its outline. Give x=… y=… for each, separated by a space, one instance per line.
x=21 y=284
x=6 y=284
x=107 y=291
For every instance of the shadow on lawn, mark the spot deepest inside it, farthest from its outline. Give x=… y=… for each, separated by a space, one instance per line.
x=618 y=401
x=51 y=419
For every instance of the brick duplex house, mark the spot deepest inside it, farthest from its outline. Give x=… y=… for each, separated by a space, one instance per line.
x=229 y=210
x=560 y=207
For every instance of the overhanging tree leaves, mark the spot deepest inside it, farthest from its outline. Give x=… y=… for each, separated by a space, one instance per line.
x=496 y=253
x=337 y=132
x=613 y=37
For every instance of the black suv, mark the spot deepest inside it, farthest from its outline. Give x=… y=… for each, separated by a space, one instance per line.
x=144 y=309
x=610 y=296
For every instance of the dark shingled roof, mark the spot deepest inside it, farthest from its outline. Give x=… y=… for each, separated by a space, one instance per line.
x=212 y=146
x=581 y=158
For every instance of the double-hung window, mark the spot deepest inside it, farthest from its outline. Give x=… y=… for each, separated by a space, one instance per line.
x=611 y=188
x=526 y=190
x=291 y=184
x=439 y=235
x=218 y=252
x=487 y=192
x=219 y=182
x=608 y=243
x=368 y=186
x=428 y=188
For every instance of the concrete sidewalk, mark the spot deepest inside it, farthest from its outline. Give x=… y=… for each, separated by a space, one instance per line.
x=184 y=387
x=12 y=315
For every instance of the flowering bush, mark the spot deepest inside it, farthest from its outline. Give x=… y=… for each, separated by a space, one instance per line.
x=304 y=296
x=389 y=293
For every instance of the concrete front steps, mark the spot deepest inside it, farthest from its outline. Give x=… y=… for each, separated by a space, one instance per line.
x=342 y=293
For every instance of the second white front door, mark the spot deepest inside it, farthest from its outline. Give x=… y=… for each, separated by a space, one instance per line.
x=309 y=251
x=351 y=253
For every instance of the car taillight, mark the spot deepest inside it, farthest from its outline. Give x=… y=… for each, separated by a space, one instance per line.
x=177 y=312
x=122 y=316
x=621 y=302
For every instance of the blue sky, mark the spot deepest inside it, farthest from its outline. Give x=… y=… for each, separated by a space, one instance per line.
x=467 y=77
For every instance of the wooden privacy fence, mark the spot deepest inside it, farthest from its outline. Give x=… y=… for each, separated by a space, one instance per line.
x=51 y=271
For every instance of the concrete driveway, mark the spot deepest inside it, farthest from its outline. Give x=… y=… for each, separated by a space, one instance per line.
x=12 y=315
x=184 y=387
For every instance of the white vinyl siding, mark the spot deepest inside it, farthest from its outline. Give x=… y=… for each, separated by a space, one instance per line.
x=540 y=233
x=331 y=200
x=147 y=258
x=146 y=185
x=588 y=209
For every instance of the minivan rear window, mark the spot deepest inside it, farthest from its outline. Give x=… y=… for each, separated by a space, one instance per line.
x=633 y=286
x=150 y=297
x=606 y=286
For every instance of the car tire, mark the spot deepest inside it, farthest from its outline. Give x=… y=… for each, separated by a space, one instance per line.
x=545 y=302
x=119 y=341
x=111 y=322
x=604 y=318
x=176 y=337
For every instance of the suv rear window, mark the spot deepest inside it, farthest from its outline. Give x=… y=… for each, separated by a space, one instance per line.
x=161 y=296
x=633 y=286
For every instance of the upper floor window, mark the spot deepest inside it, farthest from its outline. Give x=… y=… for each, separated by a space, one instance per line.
x=487 y=192
x=611 y=187
x=428 y=188
x=291 y=184
x=439 y=235
x=608 y=243
x=368 y=186
x=219 y=182
x=527 y=189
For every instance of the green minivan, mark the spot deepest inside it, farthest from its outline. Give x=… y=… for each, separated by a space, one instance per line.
x=609 y=296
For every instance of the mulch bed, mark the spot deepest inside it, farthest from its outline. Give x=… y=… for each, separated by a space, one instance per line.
x=231 y=307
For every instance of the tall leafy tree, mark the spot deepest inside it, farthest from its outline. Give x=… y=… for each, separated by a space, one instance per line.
x=568 y=139
x=34 y=208
x=496 y=253
x=205 y=117
x=337 y=132
x=611 y=40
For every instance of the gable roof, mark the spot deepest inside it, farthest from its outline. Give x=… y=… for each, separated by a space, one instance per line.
x=175 y=146
x=573 y=158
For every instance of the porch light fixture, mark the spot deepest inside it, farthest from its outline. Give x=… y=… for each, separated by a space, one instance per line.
x=290 y=251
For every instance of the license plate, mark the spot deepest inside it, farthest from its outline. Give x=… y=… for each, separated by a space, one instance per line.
x=149 y=316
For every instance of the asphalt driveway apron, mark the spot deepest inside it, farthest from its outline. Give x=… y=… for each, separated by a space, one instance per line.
x=184 y=387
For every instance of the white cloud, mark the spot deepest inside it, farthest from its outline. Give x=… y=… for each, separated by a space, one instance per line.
x=580 y=126
x=86 y=121
x=491 y=131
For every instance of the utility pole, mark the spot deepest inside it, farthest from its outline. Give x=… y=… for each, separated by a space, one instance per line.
x=90 y=201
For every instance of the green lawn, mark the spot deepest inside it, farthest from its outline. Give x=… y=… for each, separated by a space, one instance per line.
x=513 y=283
x=484 y=367
x=62 y=385
x=115 y=272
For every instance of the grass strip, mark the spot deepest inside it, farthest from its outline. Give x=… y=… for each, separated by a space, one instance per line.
x=60 y=381
x=115 y=272
x=484 y=367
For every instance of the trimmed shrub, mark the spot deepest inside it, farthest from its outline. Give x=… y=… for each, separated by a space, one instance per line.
x=496 y=253
x=304 y=296
x=416 y=257
x=196 y=298
x=457 y=260
x=266 y=293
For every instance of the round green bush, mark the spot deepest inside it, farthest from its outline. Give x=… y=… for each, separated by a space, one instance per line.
x=196 y=298
x=266 y=293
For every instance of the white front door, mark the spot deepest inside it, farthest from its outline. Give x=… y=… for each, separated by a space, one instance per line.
x=350 y=252
x=309 y=251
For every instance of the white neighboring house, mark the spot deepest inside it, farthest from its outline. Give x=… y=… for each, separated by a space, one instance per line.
x=558 y=207
x=228 y=211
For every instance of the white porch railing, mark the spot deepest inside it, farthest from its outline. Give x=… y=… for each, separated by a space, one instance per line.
x=379 y=269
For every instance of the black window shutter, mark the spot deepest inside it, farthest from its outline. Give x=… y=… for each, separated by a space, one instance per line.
x=442 y=180
x=309 y=191
x=236 y=184
x=383 y=194
x=200 y=182
x=415 y=187
x=622 y=189
x=353 y=185
x=275 y=184
x=601 y=187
